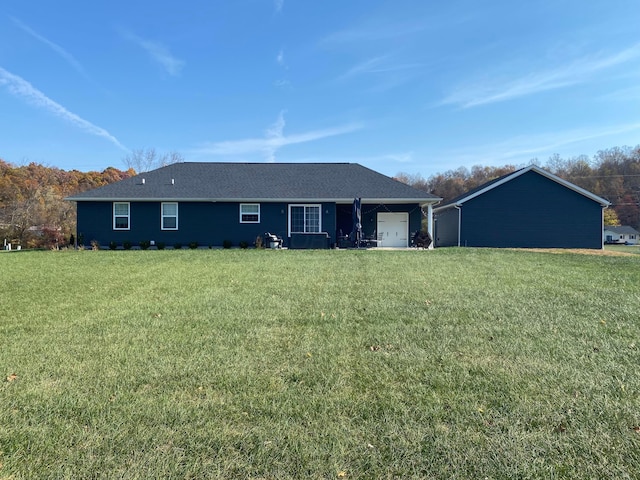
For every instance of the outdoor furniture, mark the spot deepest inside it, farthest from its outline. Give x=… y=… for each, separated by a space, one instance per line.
x=272 y=241
x=421 y=239
x=373 y=240
x=318 y=240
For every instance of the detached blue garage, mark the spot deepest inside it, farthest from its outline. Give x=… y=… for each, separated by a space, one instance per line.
x=529 y=208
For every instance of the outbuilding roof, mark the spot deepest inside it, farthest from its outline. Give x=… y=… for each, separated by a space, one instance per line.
x=622 y=230
x=220 y=181
x=458 y=201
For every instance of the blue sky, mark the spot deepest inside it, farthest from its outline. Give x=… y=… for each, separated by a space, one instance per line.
x=411 y=86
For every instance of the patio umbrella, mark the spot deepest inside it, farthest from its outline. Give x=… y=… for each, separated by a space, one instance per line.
x=356 y=216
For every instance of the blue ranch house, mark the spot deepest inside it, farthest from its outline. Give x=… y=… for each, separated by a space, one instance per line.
x=308 y=205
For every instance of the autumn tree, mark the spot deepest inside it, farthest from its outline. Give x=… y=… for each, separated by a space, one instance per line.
x=611 y=218
x=628 y=210
x=33 y=211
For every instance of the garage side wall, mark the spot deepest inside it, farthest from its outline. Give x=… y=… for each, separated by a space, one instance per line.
x=532 y=211
x=446 y=228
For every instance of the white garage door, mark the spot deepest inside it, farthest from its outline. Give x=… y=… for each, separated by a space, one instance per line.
x=393 y=228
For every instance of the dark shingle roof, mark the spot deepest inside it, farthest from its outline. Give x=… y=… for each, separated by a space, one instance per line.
x=190 y=181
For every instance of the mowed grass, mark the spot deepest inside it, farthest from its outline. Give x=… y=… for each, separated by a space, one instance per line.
x=453 y=363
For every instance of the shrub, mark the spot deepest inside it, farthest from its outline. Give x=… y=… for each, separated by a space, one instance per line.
x=244 y=245
x=227 y=243
x=161 y=245
x=127 y=245
x=112 y=245
x=95 y=245
x=177 y=246
x=259 y=241
x=193 y=245
x=145 y=244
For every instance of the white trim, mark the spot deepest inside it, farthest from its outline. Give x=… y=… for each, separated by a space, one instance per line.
x=318 y=205
x=522 y=171
x=459 y=222
x=163 y=216
x=430 y=225
x=127 y=216
x=249 y=213
x=388 y=201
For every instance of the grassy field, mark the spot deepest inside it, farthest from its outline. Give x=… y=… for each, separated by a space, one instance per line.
x=623 y=248
x=452 y=364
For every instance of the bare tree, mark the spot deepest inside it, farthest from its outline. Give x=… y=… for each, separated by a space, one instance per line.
x=143 y=160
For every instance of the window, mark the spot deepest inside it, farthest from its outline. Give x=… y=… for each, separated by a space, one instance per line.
x=304 y=219
x=249 y=213
x=121 y=216
x=169 y=216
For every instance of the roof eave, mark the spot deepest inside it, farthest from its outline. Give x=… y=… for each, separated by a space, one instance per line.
x=423 y=201
x=446 y=207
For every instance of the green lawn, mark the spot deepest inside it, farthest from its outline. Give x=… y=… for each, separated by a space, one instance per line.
x=451 y=364
x=623 y=248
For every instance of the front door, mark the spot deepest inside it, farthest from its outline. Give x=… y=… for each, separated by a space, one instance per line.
x=393 y=229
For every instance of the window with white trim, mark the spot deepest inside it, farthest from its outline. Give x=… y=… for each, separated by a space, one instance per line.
x=249 y=213
x=305 y=218
x=169 y=216
x=121 y=214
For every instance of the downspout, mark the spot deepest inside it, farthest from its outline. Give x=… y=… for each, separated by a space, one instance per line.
x=457 y=207
x=430 y=224
x=602 y=227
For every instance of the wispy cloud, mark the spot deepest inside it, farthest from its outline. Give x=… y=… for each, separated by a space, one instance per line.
x=389 y=73
x=624 y=95
x=273 y=140
x=280 y=58
x=274 y=136
x=21 y=88
x=55 y=47
x=366 y=66
x=378 y=30
x=282 y=83
x=385 y=158
x=158 y=52
x=405 y=157
x=278 y=4
x=493 y=90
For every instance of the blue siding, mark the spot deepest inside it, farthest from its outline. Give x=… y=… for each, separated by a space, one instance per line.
x=207 y=223
x=446 y=228
x=531 y=211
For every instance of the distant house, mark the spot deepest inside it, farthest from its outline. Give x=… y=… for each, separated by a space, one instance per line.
x=308 y=205
x=625 y=234
x=528 y=208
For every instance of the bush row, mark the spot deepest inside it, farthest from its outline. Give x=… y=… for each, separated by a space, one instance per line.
x=146 y=244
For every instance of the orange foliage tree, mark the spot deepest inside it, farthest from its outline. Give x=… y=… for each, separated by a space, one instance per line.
x=33 y=212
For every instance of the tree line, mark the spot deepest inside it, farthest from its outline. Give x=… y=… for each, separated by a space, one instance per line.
x=33 y=212
x=612 y=174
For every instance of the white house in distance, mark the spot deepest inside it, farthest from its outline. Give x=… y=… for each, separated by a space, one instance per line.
x=626 y=235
